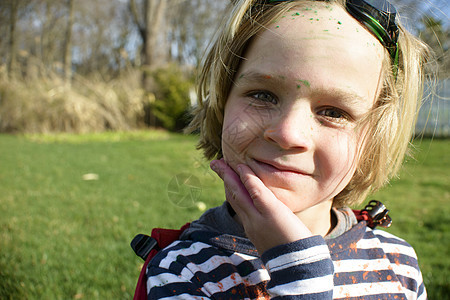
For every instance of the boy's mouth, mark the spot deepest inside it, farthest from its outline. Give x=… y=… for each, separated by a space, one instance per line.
x=274 y=167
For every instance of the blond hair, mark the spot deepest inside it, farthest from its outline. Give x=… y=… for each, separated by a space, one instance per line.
x=389 y=125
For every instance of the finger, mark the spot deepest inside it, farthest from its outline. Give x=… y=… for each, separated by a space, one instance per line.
x=236 y=192
x=262 y=197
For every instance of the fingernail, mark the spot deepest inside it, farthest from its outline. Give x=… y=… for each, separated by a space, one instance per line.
x=213 y=165
x=239 y=169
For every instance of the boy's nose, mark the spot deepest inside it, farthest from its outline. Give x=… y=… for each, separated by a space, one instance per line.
x=292 y=130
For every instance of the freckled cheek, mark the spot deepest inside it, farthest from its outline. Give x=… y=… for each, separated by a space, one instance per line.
x=237 y=135
x=339 y=155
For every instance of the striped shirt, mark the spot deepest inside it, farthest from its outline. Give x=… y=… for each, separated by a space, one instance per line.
x=359 y=264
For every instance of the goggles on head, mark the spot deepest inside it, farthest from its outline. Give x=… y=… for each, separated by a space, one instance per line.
x=378 y=16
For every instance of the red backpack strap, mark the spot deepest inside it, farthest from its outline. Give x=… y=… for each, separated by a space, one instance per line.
x=375 y=214
x=141 y=287
x=165 y=237
x=146 y=247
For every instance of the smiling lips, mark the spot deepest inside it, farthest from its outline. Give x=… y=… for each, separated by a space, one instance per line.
x=277 y=168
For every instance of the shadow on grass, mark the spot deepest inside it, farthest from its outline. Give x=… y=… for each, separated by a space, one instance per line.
x=10 y=284
x=438 y=290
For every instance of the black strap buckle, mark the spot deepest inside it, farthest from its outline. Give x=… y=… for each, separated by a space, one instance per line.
x=142 y=245
x=378 y=214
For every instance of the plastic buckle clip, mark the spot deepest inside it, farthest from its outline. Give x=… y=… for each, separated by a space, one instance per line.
x=142 y=245
x=378 y=214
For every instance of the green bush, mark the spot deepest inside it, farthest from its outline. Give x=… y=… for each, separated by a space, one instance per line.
x=171 y=102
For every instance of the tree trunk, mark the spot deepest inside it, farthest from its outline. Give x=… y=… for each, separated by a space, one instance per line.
x=12 y=39
x=154 y=11
x=67 y=60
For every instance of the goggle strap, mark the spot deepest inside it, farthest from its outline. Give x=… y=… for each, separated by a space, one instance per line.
x=388 y=40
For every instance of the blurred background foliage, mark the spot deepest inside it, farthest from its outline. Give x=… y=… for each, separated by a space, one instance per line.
x=172 y=98
x=90 y=66
x=84 y=66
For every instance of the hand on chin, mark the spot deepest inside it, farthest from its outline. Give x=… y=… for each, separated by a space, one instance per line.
x=267 y=221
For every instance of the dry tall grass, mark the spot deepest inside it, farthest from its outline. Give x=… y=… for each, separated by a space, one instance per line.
x=47 y=104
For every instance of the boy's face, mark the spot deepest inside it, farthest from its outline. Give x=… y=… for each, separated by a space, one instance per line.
x=292 y=111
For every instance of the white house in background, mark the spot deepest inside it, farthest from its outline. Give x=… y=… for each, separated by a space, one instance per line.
x=434 y=115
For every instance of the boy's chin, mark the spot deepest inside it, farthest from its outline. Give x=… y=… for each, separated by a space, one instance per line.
x=297 y=204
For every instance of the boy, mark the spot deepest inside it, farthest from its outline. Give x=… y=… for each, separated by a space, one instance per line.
x=307 y=107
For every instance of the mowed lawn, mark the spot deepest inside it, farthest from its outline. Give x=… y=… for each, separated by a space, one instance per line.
x=70 y=205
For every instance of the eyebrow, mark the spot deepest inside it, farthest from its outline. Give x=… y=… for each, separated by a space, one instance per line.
x=349 y=97
x=252 y=76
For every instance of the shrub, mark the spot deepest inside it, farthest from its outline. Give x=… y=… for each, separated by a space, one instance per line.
x=48 y=105
x=171 y=102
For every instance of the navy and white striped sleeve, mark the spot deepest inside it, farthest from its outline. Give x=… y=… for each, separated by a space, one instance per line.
x=169 y=278
x=300 y=270
x=165 y=284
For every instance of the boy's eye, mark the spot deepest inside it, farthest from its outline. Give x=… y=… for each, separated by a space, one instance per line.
x=263 y=97
x=333 y=113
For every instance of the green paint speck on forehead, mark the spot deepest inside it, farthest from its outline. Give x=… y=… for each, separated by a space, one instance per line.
x=296 y=14
x=305 y=82
x=339 y=22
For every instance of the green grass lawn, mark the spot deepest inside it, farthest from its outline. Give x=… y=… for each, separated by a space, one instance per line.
x=62 y=237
